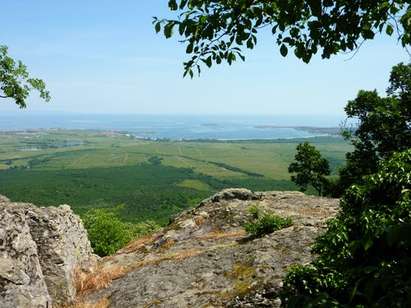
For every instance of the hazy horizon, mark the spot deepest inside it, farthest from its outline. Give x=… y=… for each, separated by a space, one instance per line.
x=179 y=127
x=105 y=57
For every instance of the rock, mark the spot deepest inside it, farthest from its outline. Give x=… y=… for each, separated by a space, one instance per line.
x=22 y=282
x=234 y=193
x=41 y=249
x=3 y=199
x=204 y=258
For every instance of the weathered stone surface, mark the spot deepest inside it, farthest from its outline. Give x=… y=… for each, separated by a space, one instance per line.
x=40 y=249
x=21 y=279
x=205 y=259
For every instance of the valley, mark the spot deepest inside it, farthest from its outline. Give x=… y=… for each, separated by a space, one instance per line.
x=151 y=180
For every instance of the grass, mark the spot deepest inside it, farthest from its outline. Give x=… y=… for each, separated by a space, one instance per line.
x=263 y=223
x=195 y=184
x=92 y=169
x=100 y=278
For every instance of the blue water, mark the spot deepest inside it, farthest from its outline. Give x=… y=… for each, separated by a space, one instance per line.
x=175 y=127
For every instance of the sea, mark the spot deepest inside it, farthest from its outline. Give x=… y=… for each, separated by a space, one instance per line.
x=179 y=127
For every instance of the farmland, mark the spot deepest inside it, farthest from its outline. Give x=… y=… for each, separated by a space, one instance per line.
x=151 y=179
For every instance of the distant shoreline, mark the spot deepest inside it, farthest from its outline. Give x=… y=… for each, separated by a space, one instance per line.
x=329 y=132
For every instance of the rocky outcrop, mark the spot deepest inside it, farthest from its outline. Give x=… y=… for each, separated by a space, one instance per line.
x=204 y=258
x=41 y=249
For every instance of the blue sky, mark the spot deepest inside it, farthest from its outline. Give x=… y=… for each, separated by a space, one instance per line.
x=104 y=57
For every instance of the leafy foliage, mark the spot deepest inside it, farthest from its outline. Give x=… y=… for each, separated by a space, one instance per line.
x=15 y=82
x=383 y=126
x=265 y=223
x=107 y=233
x=310 y=168
x=220 y=30
x=365 y=255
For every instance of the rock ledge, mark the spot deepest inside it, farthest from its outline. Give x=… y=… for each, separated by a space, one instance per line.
x=204 y=258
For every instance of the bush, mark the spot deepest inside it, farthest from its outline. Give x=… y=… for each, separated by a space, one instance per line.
x=364 y=258
x=107 y=233
x=265 y=223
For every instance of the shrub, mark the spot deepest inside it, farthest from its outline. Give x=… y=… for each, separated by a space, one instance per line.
x=265 y=223
x=364 y=258
x=255 y=211
x=107 y=233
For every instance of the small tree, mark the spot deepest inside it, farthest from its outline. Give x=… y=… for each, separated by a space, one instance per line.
x=15 y=81
x=310 y=168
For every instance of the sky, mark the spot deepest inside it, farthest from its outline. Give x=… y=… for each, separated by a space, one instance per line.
x=103 y=56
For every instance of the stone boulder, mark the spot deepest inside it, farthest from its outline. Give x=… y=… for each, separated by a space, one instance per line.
x=204 y=258
x=41 y=250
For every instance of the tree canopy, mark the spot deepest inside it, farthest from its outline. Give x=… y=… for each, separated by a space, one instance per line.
x=15 y=81
x=220 y=30
x=310 y=168
x=364 y=258
x=384 y=126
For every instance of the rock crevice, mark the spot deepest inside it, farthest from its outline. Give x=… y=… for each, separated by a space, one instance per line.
x=40 y=251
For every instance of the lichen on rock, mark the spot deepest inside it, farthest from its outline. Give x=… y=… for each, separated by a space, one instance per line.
x=40 y=251
x=204 y=258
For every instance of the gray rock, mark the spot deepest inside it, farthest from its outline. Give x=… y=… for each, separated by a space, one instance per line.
x=235 y=193
x=21 y=279
x=204 y=258
x=40 y=251
x=3 y=199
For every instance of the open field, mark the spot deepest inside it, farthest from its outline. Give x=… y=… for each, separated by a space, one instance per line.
x=153 y=179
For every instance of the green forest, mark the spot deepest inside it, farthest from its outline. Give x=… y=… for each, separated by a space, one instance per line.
x=152 y=180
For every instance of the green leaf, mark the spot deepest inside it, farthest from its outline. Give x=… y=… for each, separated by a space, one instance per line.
x=158 y=27
x=172 y=4
x=368 y=243
x=189 y=48
x=168 y=30
x=183 y=4
x=181 y=28
x=283 y=50
x=389 y=30
x=208 y=61
x=231 y=58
